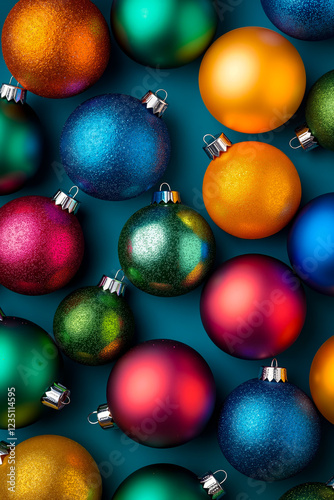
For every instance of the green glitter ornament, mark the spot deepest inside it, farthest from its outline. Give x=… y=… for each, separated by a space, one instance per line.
x=166 y=249
x=311 y=491
x=95 y=325
x=319 y=113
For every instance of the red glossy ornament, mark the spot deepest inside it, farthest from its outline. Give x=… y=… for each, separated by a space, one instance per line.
x=253 y=307
x=41 y=244
x=161 y=393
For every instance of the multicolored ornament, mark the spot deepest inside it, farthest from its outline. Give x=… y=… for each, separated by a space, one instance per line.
x=56 y=48
x=166 y=248
x=50 y=467
x=303 y=19
x=321 y=379
x=41 y=245
x=116 y=147
x=163 y=34
x=252 y=80
x=253 y=307
x=30 y=365
x=21 y=140
x=268 y=428
x=310 y=244
x=167 y=481
x=250 y=189
x=160 y=393
x=95 y=325
x=311 y=491
x=319 y=113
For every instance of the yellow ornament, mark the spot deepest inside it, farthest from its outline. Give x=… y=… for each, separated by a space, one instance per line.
x=322 y=379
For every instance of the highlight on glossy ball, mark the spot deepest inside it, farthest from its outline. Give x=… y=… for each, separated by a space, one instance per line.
x=252 y=80
x=322 y=379
x=319 y=111
x=164 y=34
x=51 y=467
x=56 y=48
x=309 y=491
x=252 y=190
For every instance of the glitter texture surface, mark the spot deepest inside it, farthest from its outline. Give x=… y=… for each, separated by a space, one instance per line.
x=114 y=148
x=268 y=430
x=166 y=249
x=309 y=491
x=319 y=110
x=56 y=48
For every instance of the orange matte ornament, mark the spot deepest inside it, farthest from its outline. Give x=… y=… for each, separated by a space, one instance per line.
x=251 y=189
x=322 y=379
x=252 y=80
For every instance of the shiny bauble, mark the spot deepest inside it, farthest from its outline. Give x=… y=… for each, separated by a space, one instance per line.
x=303 y=19
x=51 y=467
x=56 y=48
x=311 y=244
x=252 y=80
x=163 y=33
x=310 y=491
x=321 y=379
x=161 y=393
x=114 y=148
x=253 y=307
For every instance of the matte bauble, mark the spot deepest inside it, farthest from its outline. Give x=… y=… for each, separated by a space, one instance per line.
x=303 y=19
x=310 y=491
x=250 y=189
x=116 y=147
x=163 y=33
x=51 y=467
x=253 y=307
x=321 y=379
x=21 y=140
x=269 y=429
x=95 y=325
x=29 y=364
x=252 y=80
x=41 y=244
x=56 y=48
x=310 y=244
x=166 y=248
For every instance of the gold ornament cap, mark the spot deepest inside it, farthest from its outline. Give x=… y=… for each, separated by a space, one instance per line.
x=211 y=484
x=306 y=139
x=66 y=201
x=163 y=196
x=273 y=373
x=154 y=103
x=103 y=417
x=13 y=93
x=113 y=285
x=4 y=450
x=217 y=147
x=56 y=397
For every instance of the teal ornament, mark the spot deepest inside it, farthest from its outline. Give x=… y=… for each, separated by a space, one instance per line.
x=311 y=491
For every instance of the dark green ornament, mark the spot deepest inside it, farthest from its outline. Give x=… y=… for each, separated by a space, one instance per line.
x=166 y=249
x=95 y=325
x=169 y=482
x=311 y=491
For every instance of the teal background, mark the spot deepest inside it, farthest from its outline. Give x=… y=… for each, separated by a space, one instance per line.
x=179 y=317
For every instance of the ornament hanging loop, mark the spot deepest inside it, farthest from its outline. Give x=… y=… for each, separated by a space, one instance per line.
x=90 y=421
x=120 y=271
x=291 y=142
x=208 y=135
x=274 y=363
x=77 y=191
x=224 y=472
x=165 y=184
x=162 y=90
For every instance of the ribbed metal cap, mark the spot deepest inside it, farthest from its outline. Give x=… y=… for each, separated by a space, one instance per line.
x=103 y=417
x=211 y=484
x=113 y=284
x=154 y=103
x=305 y=137
x=163 y=196
x=4 y=450
x=66 y=201
x=13 y=93
x=56 y=397
x=273 y=373
x=330 y=483
x=218 y=146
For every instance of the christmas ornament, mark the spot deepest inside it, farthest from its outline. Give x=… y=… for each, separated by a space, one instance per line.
x=304 y=19
x=321 y=379
x=116 y=147
x=268 y=428
x=311 y=491
x=250 y=189
x=252 y=80
x=163 y=34
x=319 y=113
x=56 y=48
x=29 y=364
x=41 y=244
x=166 y=248
x=50 y=467
x=167 y=481
x=21 y=140
x=253 y=307
x=160 y=393
x=310 y=244
x=94 y=325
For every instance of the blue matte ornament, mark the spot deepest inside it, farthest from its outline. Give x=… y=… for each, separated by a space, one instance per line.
x=311 y=244
x=268 y=428
x=116 y=147
x=303 y=19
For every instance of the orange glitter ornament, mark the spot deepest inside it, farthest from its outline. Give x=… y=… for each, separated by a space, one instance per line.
x=322 y=379
x=250 y=189
x=56 y=48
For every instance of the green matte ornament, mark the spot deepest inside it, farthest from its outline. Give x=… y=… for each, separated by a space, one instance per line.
x=166 y=249
x=311 y=491
x=163 y=33
x=168 y=482
x=95 y=325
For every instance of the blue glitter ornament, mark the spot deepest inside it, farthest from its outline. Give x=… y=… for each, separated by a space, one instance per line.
x=311 y=244
x=269 y=429
x=116 y=147
x=303 y=19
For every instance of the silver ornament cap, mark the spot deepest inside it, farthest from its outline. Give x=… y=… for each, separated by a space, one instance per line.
x=66 y=201
x=113 y=285
x=4 y=451
x=211 y=485
x=103 y=417
x=56 y=397
x=273 y=373
x=217 y=146
x=305 y=138
x=166 y=196
x=154 y=103
x=13 y=93
x=330 y=483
